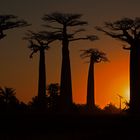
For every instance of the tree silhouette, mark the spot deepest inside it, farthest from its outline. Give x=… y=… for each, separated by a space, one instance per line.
x=37 y=105
x=7 y=94
x=128 y=31
x=95 y=56
x=62 y=26
x=10 y=21
x=8 y=98
x=37 y=44
x=111 y=109
x=127 y=106
x=53 y=93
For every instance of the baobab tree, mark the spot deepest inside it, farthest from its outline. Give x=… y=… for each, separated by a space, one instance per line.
x=37 y=44
x=62 y=26
x=95 y=56
x=128 y=30
x=9 y=22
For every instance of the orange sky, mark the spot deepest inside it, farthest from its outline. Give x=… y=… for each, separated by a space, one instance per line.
x=111 y=78
x=21 y=73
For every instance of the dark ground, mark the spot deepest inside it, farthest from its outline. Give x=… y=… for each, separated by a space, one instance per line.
x=69 y=127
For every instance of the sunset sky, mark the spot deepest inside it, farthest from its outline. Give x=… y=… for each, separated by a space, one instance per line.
x=20 y=72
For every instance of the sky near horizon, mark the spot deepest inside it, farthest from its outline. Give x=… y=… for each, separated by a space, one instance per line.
x=21 y=73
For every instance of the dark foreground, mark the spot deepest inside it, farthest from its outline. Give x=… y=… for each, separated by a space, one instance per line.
x=69 y=127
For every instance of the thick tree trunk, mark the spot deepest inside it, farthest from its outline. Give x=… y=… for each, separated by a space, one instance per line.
x=135 y=79
x=65 y=84
x=42 y=78
x=90 y=87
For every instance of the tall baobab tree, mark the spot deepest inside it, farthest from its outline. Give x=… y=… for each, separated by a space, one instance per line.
x=37 y=44
x=9 y=22
x=62 y=26
x=128 y=31
x=95 y=56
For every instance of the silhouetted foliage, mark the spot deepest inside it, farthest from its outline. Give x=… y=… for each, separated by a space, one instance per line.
x=95 y=56
x=8 y=100
x=128 y=31
x=37 y=106
x=9 y=22
x=38 y=44
x=127 y=106
x=62 y=27
x=111 y=109
x=53 y=95
x=22 y=107
x=83 y=109
x=34 y=102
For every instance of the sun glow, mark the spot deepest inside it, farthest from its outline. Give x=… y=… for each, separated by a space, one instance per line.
x=127 y=94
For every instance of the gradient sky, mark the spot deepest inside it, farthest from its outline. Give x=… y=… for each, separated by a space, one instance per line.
x=20 y=72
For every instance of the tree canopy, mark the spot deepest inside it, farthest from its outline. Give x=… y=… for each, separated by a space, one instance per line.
x=9 y=22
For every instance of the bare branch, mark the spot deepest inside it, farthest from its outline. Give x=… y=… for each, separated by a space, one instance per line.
x=64 y=18
x=124 y=36
x=126 y=48
x=9 y=22
x=90 y=37
x=38 y=42
x=78 y=31
x=52 y=27
x=126 y=29
x=77 y=23
x=65 y=21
